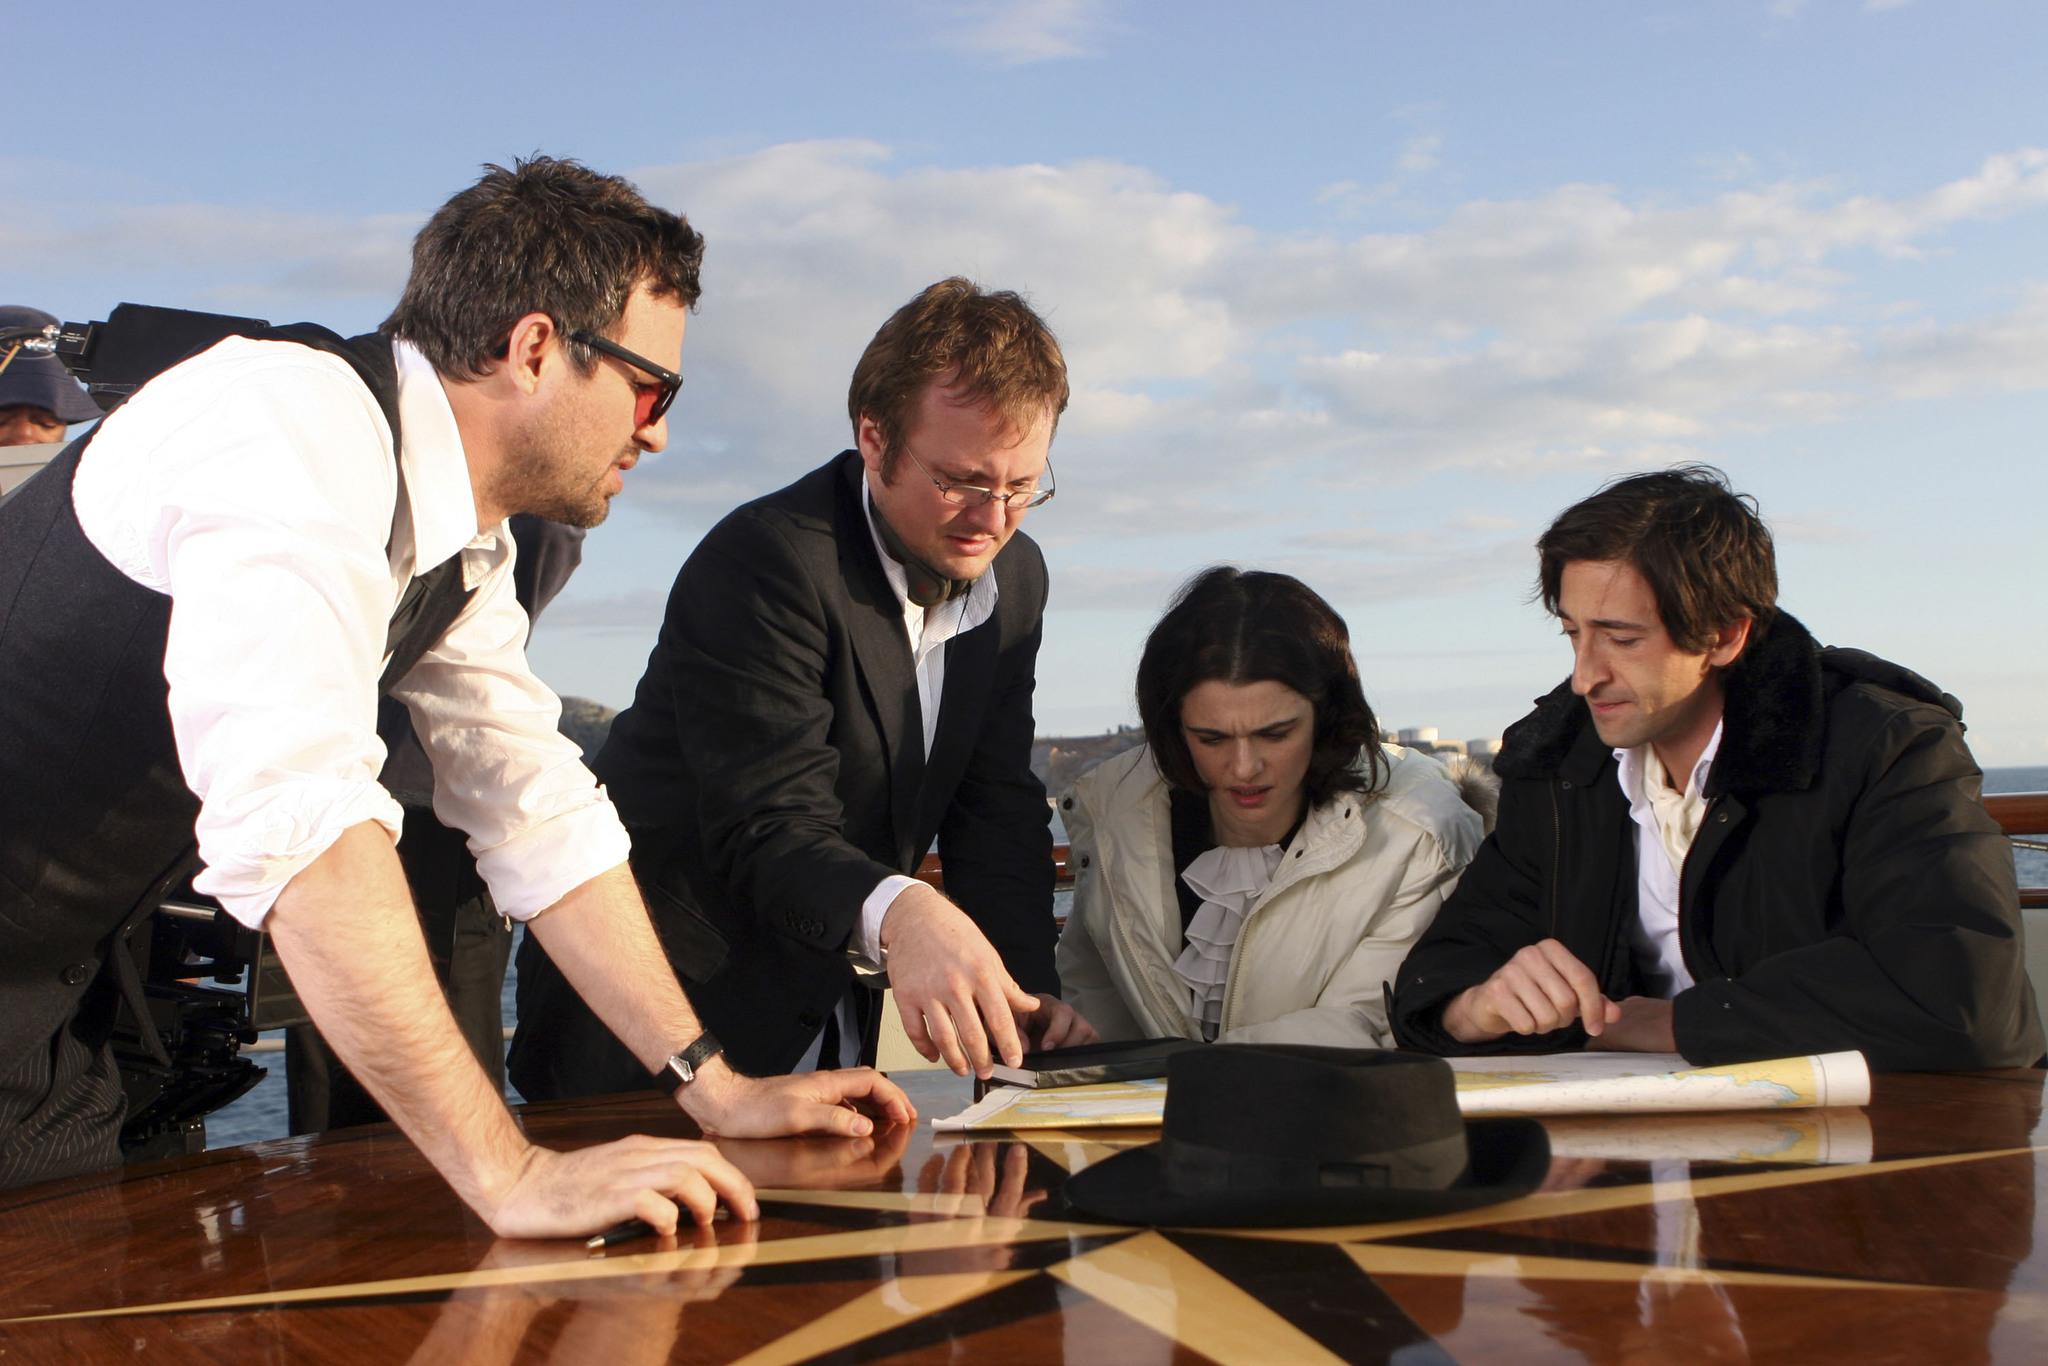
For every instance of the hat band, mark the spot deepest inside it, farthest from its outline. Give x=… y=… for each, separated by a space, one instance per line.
x=1433 y=1165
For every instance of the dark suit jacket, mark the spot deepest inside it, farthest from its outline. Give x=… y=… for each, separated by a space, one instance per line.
x=771 y=769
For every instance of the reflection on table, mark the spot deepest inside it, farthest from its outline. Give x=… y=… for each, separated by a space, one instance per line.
x=1900 y=1232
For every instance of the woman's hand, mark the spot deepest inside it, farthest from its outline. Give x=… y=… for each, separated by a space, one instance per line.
x=1054 y=1024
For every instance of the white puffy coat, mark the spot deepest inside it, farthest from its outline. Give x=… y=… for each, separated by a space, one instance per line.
x=1361 y=881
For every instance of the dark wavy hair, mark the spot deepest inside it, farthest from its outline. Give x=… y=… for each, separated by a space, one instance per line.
x=1235 y=626
x=1700 y=545
x=548 y=236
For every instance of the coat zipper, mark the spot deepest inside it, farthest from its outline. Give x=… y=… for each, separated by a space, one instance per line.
x=1556 y=852
x=1684 y=946
x=1121 y=931
x=1232 y=980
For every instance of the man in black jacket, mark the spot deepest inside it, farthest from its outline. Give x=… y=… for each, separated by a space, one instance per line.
x=845 y=672
x=1757 y=848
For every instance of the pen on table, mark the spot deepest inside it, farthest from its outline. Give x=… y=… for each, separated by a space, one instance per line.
x=620 y=1233
x=630 y=1230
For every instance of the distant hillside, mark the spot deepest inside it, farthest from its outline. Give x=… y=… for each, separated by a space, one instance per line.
x=587 y=723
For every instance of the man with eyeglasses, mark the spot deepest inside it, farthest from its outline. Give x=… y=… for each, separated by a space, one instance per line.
x=202 y=604
x=844 y=676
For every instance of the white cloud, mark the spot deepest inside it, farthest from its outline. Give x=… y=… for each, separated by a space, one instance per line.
x=1017 y=32
x=1573 y=330
x=1229 y=381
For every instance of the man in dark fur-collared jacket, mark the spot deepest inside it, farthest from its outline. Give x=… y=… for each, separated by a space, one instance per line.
x=1719 y=838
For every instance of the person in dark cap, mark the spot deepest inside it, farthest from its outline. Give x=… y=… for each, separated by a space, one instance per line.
x=38 y=397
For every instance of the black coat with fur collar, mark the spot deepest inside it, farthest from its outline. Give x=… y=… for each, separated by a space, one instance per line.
x=1846 y=889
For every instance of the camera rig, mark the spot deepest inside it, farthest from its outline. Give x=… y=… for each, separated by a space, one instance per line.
x=195 y=984
x=135 y=344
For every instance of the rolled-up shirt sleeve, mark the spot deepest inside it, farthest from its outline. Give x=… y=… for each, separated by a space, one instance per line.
x=267 y=525
x=537 y=821
x=256 y=486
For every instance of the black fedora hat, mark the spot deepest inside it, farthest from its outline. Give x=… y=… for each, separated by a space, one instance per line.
x=1282 y=1136
x=41 y=381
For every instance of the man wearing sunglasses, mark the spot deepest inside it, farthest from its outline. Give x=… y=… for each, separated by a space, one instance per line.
x=845 y=676
x=202 y=604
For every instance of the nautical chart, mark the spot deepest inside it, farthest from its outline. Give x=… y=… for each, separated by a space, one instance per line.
x=1109 y=1105
x=1544 y=1084
x=1612 y=1083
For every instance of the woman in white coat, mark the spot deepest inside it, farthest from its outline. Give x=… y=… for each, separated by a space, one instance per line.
x=1259 y=868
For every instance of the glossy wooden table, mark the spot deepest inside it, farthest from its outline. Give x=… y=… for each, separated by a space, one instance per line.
x=1904 y=1232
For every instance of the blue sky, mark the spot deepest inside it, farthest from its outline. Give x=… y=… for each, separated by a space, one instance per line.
x=1363 y=291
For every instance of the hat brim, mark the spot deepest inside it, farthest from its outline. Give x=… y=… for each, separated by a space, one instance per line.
x=1506 y=1159
x=43 y=382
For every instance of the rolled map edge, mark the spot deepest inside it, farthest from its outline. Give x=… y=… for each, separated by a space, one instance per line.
x=1829 y=1079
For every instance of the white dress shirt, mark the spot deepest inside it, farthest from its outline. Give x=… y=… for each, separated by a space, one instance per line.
x=928 y=629
x=254 y=484
x=1666 y=820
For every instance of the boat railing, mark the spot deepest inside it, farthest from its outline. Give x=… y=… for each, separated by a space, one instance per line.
x=2022 y=815
x=2024 y=818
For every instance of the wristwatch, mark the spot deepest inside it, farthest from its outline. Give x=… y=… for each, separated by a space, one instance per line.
x=682 y=1067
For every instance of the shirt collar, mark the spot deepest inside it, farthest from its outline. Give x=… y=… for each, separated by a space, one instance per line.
x=437 y=488
x=1630 y=773
x=979 y=604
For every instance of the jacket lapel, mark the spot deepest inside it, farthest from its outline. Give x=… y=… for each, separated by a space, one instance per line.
x=874 y=623
x=970 y=670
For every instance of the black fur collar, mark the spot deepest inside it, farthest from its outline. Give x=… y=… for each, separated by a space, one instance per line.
x=1773 y=726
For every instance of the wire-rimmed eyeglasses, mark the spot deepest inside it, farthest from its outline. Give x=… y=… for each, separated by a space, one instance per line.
x=653 y=400
x=974 y=496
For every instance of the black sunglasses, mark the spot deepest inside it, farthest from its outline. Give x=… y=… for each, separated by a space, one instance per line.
x=653 y=399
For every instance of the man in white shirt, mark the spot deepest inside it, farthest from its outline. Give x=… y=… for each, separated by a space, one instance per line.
x=199 y=609
x=844 y=676
x=1719 y=838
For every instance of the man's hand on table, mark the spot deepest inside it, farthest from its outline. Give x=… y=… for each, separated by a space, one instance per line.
x=1543 y=987
x=959 y=1003
x=728 y=1105
x=556 y=1195
x=819 y=1163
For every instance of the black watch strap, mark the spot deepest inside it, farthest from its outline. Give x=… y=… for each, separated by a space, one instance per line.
x=681 y=1068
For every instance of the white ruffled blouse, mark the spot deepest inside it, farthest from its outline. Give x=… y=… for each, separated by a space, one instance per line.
x=1228 y=880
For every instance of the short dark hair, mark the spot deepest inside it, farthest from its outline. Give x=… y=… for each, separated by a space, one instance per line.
x=1700 y=545
x=548 y=236
x=990 y=346
x=1235 y=626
